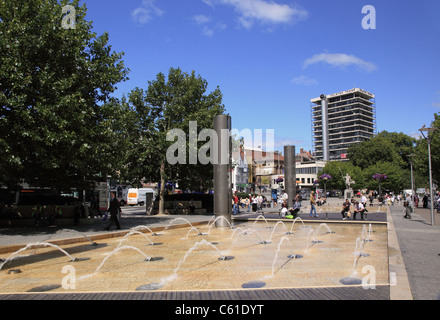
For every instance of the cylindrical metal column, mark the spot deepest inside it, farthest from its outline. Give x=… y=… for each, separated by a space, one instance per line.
x=325 y=138
x=222 y=173
x=290 y=174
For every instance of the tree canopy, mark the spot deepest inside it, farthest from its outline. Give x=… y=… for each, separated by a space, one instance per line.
x=56 y=126
x=386 y=153
x=171 y=103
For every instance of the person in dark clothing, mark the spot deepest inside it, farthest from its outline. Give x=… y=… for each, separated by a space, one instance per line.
x=345 y=209
x=80 y=212
x=114 y=210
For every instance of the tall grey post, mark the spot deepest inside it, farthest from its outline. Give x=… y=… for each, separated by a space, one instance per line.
x=222 y=165
x=324 y=117
x=290 y=174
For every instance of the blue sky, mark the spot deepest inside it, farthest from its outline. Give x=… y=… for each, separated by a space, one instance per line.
x=270 y=57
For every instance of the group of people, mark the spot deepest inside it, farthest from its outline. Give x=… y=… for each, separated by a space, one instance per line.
x=42 y=215
x=254 y=203
x=46 y=215
x=289 y=213
x=358 y=207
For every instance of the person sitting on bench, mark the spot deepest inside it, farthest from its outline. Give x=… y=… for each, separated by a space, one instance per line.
x=295 y=209
x=358 y=208
x=345 y=209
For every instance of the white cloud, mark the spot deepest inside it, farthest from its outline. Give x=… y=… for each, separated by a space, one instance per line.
x=281 y=142
x=268 y=12
x=416 y=135
x=436 y=104
x=304 y=80
x=201 y=19
x=340 y=60
x=146 y=11
x=207 y=28
x=207 y=31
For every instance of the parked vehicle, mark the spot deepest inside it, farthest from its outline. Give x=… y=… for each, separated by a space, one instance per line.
x=139 y=196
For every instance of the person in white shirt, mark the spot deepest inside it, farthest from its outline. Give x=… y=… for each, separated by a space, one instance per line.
x=254 y=204
x=364 y=202
x=259 y=203
x=358 y=208
x=283 y=212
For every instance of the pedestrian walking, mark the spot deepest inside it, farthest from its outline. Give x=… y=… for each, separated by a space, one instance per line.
x=408 y=207
x=260 y=203
x=313 y=205
x=249 y=202
x=235 y=212
x=114 y=209
x=79 y=212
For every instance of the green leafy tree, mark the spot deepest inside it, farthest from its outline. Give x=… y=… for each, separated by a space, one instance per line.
x=369 y=152
x=171 y=103
x=338 y=170
x=421 y=161
x=387 y=153
x=56 y=117
x=397 y=178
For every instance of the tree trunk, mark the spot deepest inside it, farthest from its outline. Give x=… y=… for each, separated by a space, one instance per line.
x=162 y=188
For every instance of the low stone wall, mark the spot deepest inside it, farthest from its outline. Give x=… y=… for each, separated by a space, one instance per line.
x=22 y=216
x=182 y=207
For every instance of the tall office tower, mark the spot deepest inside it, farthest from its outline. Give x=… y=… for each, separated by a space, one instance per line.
x=341 y=119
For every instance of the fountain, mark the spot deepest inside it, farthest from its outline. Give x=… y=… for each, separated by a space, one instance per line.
x=173 y=276
x=132 y=232
x=211 y=224
x=257 y=234
x=176 y=219
x=145 y=227
x=197 y=230
x=293 y=224
x=290 y=256
x=147 y=258
x=81 y=234
x=274 y=228
x=36 y=244
x=326 y=226
x=180 y=269
x=264 y=218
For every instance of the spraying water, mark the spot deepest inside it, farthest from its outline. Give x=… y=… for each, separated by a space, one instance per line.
x=147 y=258
x=144 y=227
x=274 y=228
x=36 y=244
x=264 y=218
x=193 y=228
x=132 y=232
x=215 y=220
x=173 y=276
x=291 y=256
x=176 y=219
x=293 y=224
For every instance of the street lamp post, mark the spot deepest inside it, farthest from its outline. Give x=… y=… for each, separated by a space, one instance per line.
x=428 y=138
x=411 y=156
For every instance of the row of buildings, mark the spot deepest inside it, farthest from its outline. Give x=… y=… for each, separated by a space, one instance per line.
x=338 y=121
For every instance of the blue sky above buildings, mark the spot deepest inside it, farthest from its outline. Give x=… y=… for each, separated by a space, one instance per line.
x=270 y=57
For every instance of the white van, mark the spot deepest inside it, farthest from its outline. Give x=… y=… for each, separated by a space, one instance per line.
x=139 y=196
